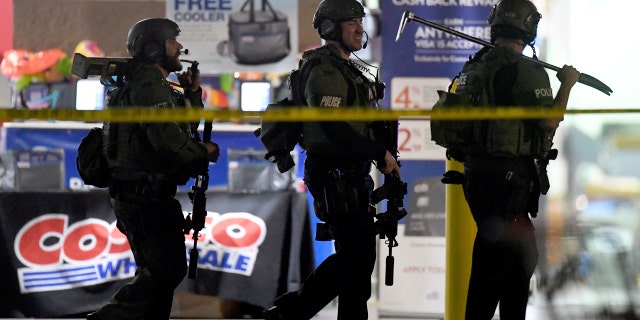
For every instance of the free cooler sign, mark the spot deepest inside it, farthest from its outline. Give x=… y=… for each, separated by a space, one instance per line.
x=227 y=36
x=425 y=59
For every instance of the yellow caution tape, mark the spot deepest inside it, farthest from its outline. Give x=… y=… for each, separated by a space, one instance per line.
x=289 y=114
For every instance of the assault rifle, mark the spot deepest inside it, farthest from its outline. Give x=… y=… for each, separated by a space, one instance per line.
x=393 y=189
x=198 y=195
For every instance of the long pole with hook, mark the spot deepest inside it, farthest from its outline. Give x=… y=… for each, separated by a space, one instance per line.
x=584 y=78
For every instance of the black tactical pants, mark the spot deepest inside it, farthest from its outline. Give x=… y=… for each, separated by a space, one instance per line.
x=499 y=192
x=341 y=199
x=152 y=220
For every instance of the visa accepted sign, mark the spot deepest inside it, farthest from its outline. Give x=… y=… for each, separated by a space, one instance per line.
x=58 y=255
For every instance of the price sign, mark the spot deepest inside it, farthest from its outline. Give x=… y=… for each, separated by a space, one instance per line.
x=416 y=93
x=414 y=141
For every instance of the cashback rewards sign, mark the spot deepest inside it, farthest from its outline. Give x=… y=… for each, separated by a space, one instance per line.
x=425 y=59
x=422 y=61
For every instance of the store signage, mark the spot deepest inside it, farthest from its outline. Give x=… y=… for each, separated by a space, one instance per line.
x=58 y=255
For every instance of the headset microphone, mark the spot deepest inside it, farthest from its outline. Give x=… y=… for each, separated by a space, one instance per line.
x=364 y=46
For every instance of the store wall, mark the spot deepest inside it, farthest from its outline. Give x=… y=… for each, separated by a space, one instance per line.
x=598 y=38
x=6 y=25
x=44 y=24
x=6 y=42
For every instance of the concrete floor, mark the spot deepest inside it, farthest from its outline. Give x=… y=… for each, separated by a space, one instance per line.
x=574 y=301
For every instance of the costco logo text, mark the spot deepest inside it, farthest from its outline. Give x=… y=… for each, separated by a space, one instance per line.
x=59 y=256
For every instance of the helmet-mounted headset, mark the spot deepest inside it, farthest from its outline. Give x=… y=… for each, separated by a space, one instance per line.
x=330 y=13
x=146 y=39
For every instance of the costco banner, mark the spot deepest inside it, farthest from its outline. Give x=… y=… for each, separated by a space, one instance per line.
x=65 y=247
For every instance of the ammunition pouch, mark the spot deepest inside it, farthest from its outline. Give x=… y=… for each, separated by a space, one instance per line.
x=323 y=232
x=343 y=193
x=541 y=169
x=525 y=193
x=458 y=136
x=145 y=192
x=450 y=133
x=452 y=177
x=511 y=137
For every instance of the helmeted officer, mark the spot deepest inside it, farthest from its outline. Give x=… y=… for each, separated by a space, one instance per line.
x=505 y=160
x=337 y=168
x=147 y=161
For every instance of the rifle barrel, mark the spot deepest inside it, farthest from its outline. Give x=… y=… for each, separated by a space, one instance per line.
x=193 y=258
x=388 y=275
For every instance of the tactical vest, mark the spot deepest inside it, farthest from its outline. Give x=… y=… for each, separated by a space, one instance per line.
x=474 y=87
x=130 y=155
x=359 y=92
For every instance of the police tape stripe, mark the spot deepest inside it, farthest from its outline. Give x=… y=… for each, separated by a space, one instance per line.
x=290 y=114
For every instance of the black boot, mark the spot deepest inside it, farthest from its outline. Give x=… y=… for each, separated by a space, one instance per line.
x=273 y=313
x=93 y=316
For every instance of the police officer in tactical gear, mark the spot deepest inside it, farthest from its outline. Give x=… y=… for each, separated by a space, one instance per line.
x=339 y=158
x=505 y=160
x=147 y=162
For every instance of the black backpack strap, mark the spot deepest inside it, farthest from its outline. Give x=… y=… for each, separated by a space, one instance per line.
x=297 y=93
x=118 y=97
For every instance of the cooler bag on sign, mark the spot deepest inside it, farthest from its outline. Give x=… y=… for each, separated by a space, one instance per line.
x=258 y=37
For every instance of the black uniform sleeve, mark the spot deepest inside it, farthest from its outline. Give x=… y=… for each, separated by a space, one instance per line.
x=171 y=143
x=195 y=97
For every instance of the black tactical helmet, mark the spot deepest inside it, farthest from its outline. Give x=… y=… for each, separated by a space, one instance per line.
x=330 y=13
x=515 y=19
x=146 y=39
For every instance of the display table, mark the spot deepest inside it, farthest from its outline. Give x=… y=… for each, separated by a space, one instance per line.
x=66 y=135
x=64 y=247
